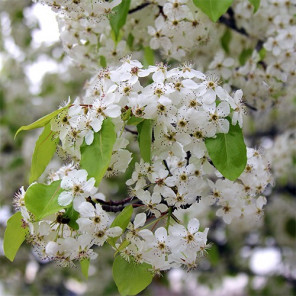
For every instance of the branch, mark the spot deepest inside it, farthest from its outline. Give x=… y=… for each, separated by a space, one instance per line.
x=112 y=202
x=130 y=131
x=140 y=7
x=230 y=22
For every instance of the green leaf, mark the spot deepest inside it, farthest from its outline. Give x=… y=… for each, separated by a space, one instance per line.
x=262 y=53
x=122 y=221
x=126 y=115
x=130 y=40
x=256 y=4
x=145 y=139
x=41 y=122
x=213 y=255
x=149 y=58
x=245 y=54
x=42 y=200
x=213 y=8
x=131 y=278
x=122 y=246
x=103 y=61
x=72 y=215
x=134 y=120
x=14 y=235
x=95 y=158
x=44 y=150
x=226 y=39
x=84 y=265
x=118 y=17
x=228 y=152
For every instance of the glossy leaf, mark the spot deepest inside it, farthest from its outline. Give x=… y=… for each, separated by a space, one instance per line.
x=131 y=278
x=149 y=58
x=226 y=39
x=42 y=121
x=245 y=55
x=103 y=61
x=72 y=215
x=228 y=152
x=84 y=265
x=122 y=221
x=118 y=16
x=213 y=8
x=130 y=41
x=145 y=139
x=45 y=148
x=95 y=158
x=256 y=4
x=134 y=120
x=14 y=235
x=42 y=200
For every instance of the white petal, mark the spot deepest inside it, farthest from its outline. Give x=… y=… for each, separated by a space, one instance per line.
x=114 y=231
x=146 y=234
x=209 y=97
x=86 y=209
x=65 y=198
x=161 y=234
x=140 y=220
x=223 y=109
x=113 y=111
x=223 y=126
x=193 y=225
x=67 y=183
x=89 y=137
x=89 y=185
x=188 y=83
x=52 y=248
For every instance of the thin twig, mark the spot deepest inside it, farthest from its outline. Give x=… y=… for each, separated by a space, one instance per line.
x=230 y=22
x=140 y=7
x=130 y=131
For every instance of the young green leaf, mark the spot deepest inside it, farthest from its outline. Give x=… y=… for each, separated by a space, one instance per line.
x=228 y=152
x=44 y=150
x=145 y=139
x=244 y=55
x=226 y=39
x=262 y=53
x=42 y=200
x=213 y=8
x=130 y=41
x=131 y=278
x=149 y=58
x=95 y=158
x=72 y=215
x=122 y=221
x=14 y=235
x=118 y=17
x=84 y=265
x=256 y=4
x=103 y=61
x=41 y=121
x=134 y=120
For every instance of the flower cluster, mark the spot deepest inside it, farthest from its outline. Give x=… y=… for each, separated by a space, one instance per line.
x=268 y=73
x=174 y=27
x=261 y=66
x=185 y=107
x=60 y=236
x=174 y=100
x=165 y=249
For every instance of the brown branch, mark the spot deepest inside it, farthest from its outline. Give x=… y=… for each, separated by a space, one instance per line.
x=138 y=8
x=229 y=21
x=130 y=131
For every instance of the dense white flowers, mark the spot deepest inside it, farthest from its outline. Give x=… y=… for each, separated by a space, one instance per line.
x=185 y=107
